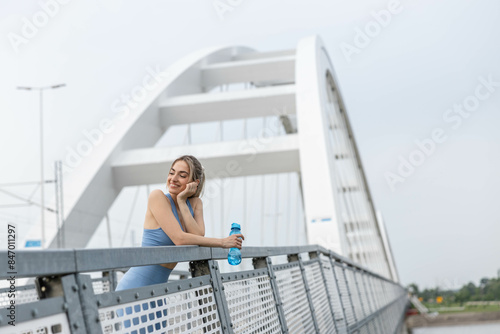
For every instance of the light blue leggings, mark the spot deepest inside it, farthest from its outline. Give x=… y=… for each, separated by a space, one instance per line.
x=142 y=276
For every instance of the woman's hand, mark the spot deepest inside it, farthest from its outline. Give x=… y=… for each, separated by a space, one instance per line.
x=190 y=190
x=234 y=240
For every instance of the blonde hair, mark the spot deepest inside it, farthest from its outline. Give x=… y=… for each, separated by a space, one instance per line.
x=196 y=172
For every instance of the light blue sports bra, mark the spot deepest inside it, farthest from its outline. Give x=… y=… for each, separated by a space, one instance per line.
x=157 y=237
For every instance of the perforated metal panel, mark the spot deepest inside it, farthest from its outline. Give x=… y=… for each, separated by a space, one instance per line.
x=251 y=305
x=101 y=286
x=362 y=310
x=346 y=299
x=320 y=300
x=293 y=296
x=23 y=296
x=190 y=311
x=27 y=294
x=356 y=303
x=367 y=295
x=54 y=324
x=331 y=286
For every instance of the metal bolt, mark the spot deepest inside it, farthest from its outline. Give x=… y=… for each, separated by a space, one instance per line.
x=216 y=289
x=34 y=313
x=223 y=287
x=119 y=299
x=76 y=325
x=84 y=286
x=74 y=288
x=136 y=295
x=178 y=287
x=65 y=307
x=190 y=285
x=152 y=292
x=231 y=324
x=97 y=319
x=166 y=289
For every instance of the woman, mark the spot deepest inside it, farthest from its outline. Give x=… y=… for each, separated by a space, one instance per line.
x=175 y=218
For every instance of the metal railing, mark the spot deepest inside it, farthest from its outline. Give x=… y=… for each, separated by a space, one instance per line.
x=314 y=291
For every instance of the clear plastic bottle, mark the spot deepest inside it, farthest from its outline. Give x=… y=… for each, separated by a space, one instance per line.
x=234 y=255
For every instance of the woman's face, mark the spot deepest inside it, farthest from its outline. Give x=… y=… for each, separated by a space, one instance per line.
x=178 y=177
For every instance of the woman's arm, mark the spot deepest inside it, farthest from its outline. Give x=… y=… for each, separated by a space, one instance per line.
x=161 y=210
x=196 y=224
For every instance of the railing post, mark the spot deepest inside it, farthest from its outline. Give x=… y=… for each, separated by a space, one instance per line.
x=306 y=285
x=220 y=298
x=339 y=293
x=314 y=255
x=66 y=286
x=88 y=303
x=263 y=262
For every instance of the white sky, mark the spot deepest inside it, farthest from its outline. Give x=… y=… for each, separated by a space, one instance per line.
x=443 y=221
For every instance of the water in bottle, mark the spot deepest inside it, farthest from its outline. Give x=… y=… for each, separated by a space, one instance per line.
x=234 y=256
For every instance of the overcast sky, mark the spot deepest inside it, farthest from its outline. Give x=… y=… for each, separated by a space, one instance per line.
x=425 y=71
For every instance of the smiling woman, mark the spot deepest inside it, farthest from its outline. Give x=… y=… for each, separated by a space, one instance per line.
x=175 y=218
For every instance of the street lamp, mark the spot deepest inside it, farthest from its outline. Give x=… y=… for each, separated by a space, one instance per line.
x=42 y=181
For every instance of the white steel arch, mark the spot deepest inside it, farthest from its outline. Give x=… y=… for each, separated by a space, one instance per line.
x=301 y=84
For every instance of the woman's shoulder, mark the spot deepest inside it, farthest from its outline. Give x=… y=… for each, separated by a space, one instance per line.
x=156 y=195
x=195 y=201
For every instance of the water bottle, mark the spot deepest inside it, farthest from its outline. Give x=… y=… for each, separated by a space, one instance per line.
x=234 y=255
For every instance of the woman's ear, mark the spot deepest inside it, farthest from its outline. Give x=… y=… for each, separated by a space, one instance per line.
x=197 y=181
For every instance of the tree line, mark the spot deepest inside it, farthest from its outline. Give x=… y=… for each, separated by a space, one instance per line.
x=487 y=290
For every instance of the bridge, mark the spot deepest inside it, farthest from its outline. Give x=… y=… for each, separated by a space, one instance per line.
x=337 y=276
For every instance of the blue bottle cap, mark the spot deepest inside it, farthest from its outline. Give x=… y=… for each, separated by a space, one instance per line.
x=235 y=225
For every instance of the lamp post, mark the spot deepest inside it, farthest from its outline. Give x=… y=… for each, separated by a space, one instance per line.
x=42 y=179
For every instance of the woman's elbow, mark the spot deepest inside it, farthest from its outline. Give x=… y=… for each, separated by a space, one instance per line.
x=179 y=240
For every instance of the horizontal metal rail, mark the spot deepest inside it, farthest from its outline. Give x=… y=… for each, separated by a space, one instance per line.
x=325 y=293
x=57 y=262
